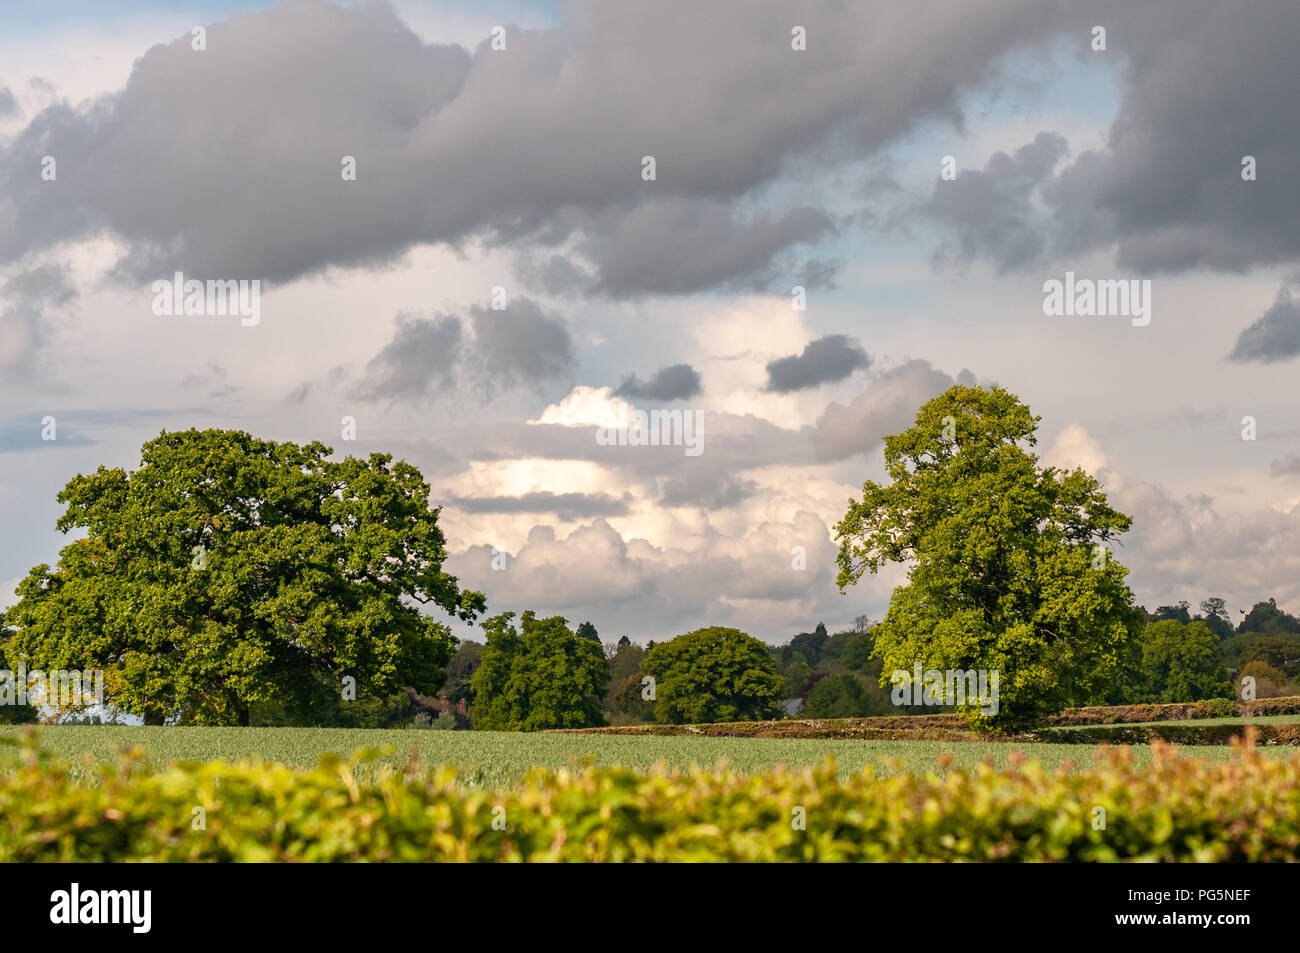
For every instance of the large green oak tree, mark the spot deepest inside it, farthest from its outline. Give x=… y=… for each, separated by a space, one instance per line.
x=1011 y=569
x=230 y=570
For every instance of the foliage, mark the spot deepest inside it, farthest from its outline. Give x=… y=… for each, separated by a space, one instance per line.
x=392 y=711
x=13 y=714
x=1179 y=613
x=806 y=645
x=460 y=672
x=624 y=696
x=1179 y=663
x=713 y=674
x=445 y=721
x=796 y=677
x=1215 y=616
x=1279 y=653
x=1004 y=576
x=851 y=649
x=1268 y=619
x=629 y=705
x=541 y=675
x=838 y=696
x=229 y=571
x=1245 y=810
x=1269 y=681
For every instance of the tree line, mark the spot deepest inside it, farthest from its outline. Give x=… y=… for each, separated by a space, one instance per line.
x=234 y=580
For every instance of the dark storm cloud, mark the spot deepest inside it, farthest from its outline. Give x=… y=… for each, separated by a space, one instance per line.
x=1196 y=99
x=680 y=246
x=677 y=382
x=1275 y=336
x=990 y=211
x=1167 y=190
x=418 y=362
x=520 y=346
x=226 y=162
x=830 y=358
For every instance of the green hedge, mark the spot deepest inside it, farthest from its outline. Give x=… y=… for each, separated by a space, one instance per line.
x=1174 y=809
x=1187 y=733
x=951 y=727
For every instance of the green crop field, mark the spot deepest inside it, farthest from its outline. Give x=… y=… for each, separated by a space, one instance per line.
x=498 y=759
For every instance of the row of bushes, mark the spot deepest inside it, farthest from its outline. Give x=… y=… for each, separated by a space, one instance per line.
x=1186 y=733
x=952 y=727
x=1173 y=809
x=877 y=727
x=1210 y=708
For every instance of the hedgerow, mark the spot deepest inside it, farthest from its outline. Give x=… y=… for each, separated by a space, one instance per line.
x=1186 y=733
x=953 y=727
x=1174 y=809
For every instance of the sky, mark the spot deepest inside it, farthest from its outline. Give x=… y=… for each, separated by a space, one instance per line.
x=502 y=276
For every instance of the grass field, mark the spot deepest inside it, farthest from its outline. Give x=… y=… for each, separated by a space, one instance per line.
x=498 y=759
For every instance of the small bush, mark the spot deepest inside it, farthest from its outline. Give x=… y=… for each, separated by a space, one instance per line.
x=1219 y=707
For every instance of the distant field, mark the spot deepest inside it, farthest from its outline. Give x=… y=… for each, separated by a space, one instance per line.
x=497 y=759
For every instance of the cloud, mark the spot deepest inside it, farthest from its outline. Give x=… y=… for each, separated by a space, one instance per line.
x=631 y=587
x=1187 y=549
x=992 y=211
x=705 y=489
x=584 y=407
x=830 y=358
x=22 y=434
x=676 y=382
x=886 y=407
x=8 y=105
x=419 y=361
x=1288 y=465
x=1160 y=194
x=8 y=597
x=567 y=506
x=682 y=245
x=519 y=346
x=1275 y=336
x=540 y=146
x=30 y=294
x=1075 y=448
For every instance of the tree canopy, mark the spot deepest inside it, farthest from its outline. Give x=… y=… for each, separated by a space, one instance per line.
x=1180 y=662
x=538 y=675
x=1010 y=562
x=230 y=570
x=713 y=674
